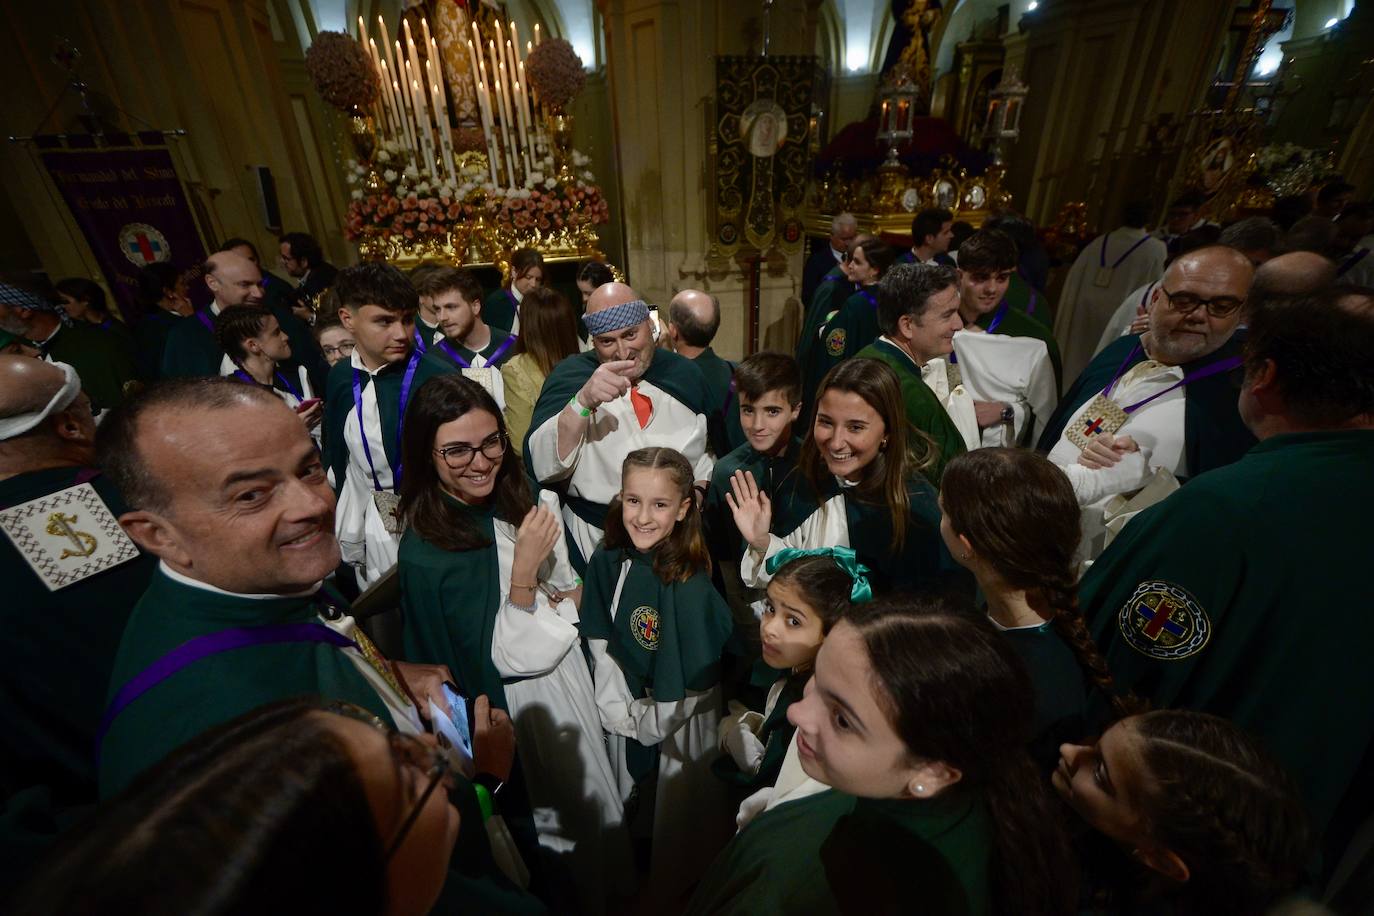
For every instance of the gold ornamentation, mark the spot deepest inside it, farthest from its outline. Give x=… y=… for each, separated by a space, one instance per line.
x=84 y=543
x=885 y=202
x=479 y=242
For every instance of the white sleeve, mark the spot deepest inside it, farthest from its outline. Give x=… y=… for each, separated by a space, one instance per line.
x=826 y=527
x=543 y=451
x=703 y=466
x=1042 y=395
x=557 y=570
x=528 y=643
x=1093 y=484
x=644 y=720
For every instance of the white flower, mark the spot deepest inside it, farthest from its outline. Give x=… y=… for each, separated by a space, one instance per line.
x=351 y=163
x=390 y=175
x=550 y=184
x=422 y=188
x=579 y=159
x=357 y=194
x=412 y=172
x=383 y=155
x=536 y=176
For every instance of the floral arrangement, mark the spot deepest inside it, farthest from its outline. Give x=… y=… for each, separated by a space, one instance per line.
x=341 y=71
x=1289 y=169
x=555 y=72
x=417 y=207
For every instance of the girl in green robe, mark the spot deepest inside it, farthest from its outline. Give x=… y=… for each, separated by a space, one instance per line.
x=655 y=630
x=808 y=594
x=913 y=731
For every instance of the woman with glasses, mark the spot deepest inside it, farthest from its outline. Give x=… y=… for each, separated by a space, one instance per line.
x=290 y=808
x=487 y=590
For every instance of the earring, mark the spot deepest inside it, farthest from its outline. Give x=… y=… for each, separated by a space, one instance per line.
x=967 y=556
x=920 y=789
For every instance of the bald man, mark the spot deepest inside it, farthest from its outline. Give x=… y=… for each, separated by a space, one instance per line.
x=1291 y=276
x=1161 y=400
x=191 y=347
x=597 y=407
x=693 y=319
x=71 y=578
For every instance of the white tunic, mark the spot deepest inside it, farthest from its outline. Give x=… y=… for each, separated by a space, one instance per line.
x=593 y=467
x=1092 y=292
x=1158 y=428
x=957 y=401
x=1015 y=370
x=363 y=538
x=574 y=789
x=688 y=793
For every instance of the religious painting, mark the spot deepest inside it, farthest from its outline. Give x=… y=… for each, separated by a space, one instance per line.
x=760 y=149
x=1218 y=158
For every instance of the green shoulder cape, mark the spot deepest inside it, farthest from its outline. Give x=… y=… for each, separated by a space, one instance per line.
x=1213 y=433
x=854 y=327
x=499 y=309
x=103 y=360
x=191 y=350
x=923 y=408
x=219 y=687
x=723 y=427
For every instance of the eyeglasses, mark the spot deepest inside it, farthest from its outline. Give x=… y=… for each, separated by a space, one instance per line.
x=458 y=457
x=343 y=349
x=1187 y=303
x=406 y=750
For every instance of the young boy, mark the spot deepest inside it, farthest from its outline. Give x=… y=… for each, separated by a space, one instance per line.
x=769 y=389
x=364 y=402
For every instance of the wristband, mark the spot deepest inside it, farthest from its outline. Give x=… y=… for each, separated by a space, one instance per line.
x=577 y=406
x=484 y=801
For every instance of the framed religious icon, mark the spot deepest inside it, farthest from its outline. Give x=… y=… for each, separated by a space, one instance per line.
x=763 y=127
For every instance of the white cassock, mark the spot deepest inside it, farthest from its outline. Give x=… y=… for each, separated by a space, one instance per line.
x=956 y=400
x=228 y=367
x=1158 y=428
x=1119 y=325
x=573 y=787
x=1015 y=370
x=592 y=468
x=1105 y=271
x=685 y=732
x=364 y=540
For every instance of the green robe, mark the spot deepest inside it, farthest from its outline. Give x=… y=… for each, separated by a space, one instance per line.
x=338 y=404
x=854 y=327
x=104 y=362
x=1060 y=690
x=499 y=309
x=60 y=651
x=923 y=408
x=150 y=339
x=769 y=472
x=215 y=689
x=191 y=349
x=1268 y=625
x=834 y=853
x=832 y=292
x=723 y=430
x=450 y=599
x=1016 y=323
x=1029 y=300
x=1213 y=433
x=438 y=354
x=427 y=332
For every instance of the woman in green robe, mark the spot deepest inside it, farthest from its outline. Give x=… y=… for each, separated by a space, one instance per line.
x=923 y=798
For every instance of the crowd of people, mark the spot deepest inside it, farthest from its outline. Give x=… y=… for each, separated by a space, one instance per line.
x=381 y=592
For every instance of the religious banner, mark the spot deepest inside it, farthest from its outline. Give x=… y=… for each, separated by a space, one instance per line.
x=761 y=148
x=131 y=207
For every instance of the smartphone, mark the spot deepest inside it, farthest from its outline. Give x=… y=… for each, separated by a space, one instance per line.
x=305 y=405
x=453 y=728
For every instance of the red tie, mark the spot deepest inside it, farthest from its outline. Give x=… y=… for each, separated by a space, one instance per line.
x=644 y=408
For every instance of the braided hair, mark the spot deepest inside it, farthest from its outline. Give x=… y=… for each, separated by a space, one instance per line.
x=1019 y=512
x=1219 y=802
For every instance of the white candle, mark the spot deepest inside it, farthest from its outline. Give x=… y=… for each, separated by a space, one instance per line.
x=386 y=46
x=489 y=125
x=428 y=141
x=383 y=93
x=424 y=29
x=536 y=34
x=515 y=41
x=440 y=118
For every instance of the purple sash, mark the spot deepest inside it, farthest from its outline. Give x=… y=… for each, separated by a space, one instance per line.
x=206 y=320
x=193 y=650
x=458 y=357
x=243 y=376
x=1102 y=255
x=400 y=419
x=1221 y=365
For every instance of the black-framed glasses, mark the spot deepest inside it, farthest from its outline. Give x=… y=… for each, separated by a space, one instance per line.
x=343 y=349
x=406 y=750
x=1187 y=303
x=458 y=457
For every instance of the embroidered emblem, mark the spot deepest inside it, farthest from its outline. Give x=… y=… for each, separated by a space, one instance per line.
x=1164 y=621
x=142 y=244
x=644 y=625
x=834 y=342
x=67 y=536
x=1102 y=415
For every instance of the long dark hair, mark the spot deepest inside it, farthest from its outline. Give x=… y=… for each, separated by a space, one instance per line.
x=682 y=554
x=909 y=450
x=226 y=824
x=955 y=692
x=1018 y=510
x=548 y=328
x=1225 y=807
x=83 y=290
x=823 y=586
x=422 y=505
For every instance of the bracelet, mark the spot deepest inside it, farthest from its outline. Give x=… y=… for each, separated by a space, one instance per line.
x=484 y=802
x=530 y=587
x=577 y=406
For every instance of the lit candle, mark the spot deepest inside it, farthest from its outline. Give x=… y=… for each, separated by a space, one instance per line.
x=386 y=46
x=424 y=30
x=409 y=128
x=515 y=41
x=536 y=34
x=383 y=94
x=440 y=118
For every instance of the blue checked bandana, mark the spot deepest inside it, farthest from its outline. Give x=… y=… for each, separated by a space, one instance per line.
x=617 y=317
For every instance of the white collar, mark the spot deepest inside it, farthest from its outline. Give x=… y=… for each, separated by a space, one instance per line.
x=516 y=294
x=900 y=349
x=356 y=361
x=214 y=307
x=837 y=255
x=186 y=580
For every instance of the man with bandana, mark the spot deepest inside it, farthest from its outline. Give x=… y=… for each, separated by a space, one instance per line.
x=71 y=579
x=597 y=407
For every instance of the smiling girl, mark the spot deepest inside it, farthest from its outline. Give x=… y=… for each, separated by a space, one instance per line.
x=487 y=590
x=860 y=486
x=809 y=592
x=655 y=629
x=916 y=720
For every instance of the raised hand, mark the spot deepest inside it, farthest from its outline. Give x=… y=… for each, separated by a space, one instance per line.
x=534 y=541
x=752 y=511
x=607 y=383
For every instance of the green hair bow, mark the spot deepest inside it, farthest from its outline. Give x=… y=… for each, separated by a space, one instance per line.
x=844 y=558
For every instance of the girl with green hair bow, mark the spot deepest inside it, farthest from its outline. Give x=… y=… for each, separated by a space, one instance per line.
x=809 y=591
